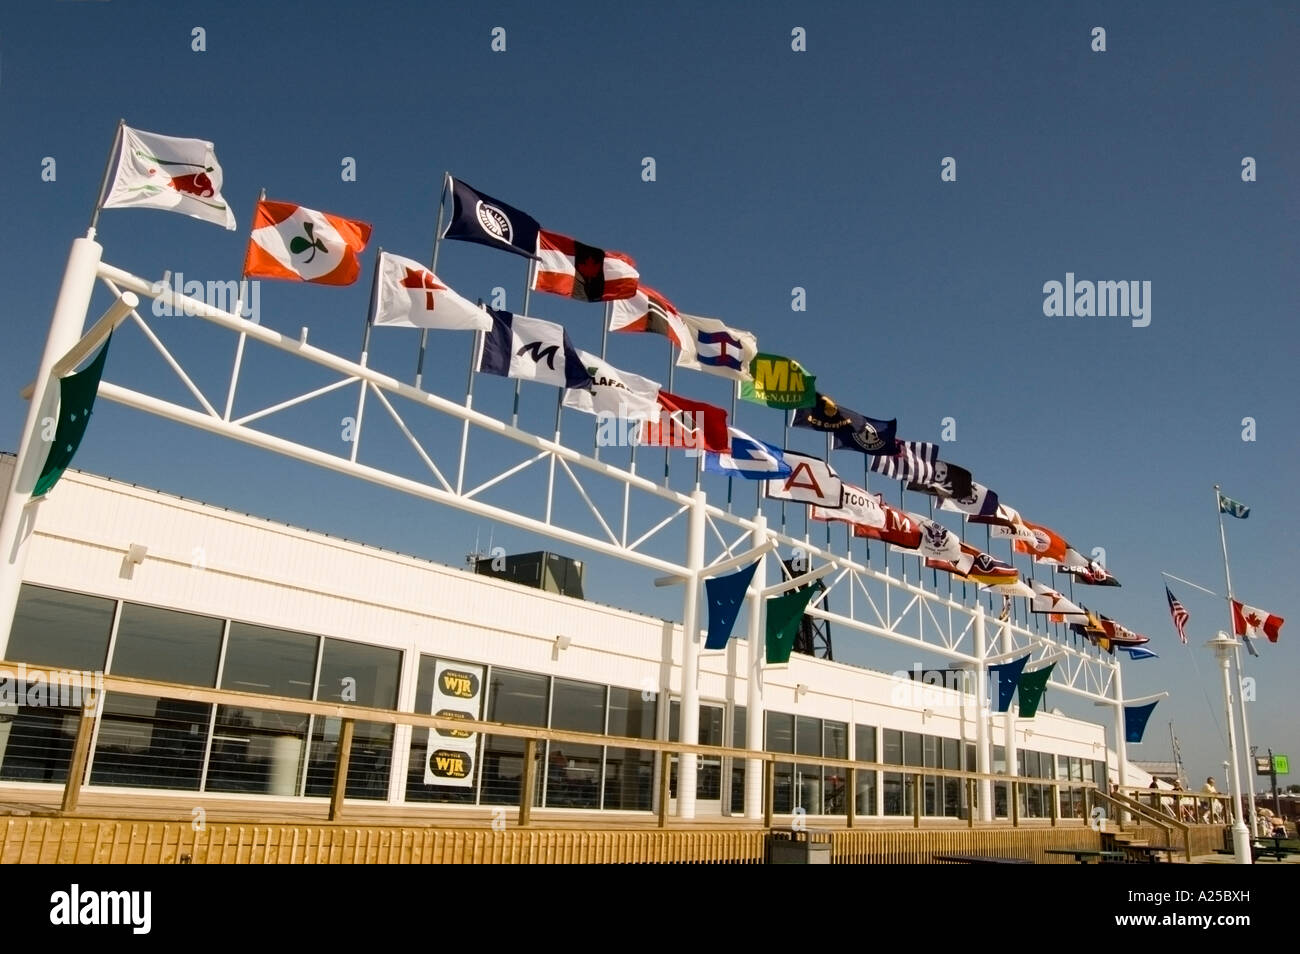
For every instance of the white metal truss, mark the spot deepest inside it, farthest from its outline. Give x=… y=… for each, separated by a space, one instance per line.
x=868 y=601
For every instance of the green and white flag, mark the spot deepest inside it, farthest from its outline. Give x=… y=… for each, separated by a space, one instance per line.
x=779 y=382
x=1233 y=508
x=163 y=172
x=76 y=401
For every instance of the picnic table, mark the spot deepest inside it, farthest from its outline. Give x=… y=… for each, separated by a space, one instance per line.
x=968 y=859
x=1149 y=851
x=1087 y=855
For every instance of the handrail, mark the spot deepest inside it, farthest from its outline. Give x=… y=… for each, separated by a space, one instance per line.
x=1123 y=803
x=350 y=714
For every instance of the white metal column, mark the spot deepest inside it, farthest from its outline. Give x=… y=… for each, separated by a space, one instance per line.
x=689 y=723
x=757 y=647
x=18 y=523
x=983 y=742
x=1009 y=727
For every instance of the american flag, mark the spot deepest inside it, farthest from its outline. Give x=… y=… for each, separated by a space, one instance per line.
x=1179 y=614
x=914 y=461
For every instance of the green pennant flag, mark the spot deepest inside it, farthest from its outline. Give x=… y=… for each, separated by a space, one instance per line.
x=1032 y=686
x=784 y=613
x=779 y=382
x=76 y=400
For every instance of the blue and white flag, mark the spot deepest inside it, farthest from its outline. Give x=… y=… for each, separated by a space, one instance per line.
x=477 y=217
x=749 y=458
x=1137 y=652
x=1233 y=508
x=716 y=349
x=531 y=349
x=725 y=595
x=915 y=461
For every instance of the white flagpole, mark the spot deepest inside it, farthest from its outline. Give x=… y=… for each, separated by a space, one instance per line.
x=528 y=297
x=604 y=342
x=1248 y=755
x=365 y=355
x=103 y=182
x=239 y=313
x=433 y=267
x=671 y=366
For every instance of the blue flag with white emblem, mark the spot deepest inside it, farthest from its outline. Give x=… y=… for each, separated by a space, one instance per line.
x=1233 y=508
x=725 y=595
x=1006 y=676
x=531 y=349
x=749 y=458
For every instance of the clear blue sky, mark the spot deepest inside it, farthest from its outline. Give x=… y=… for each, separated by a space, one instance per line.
x=775 y=169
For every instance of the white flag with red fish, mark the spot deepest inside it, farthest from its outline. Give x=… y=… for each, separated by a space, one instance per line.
x=293 y=242
x=164 y=172
x=410 y=296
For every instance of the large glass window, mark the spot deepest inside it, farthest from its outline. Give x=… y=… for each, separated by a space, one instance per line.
x=147 y=741
x=865 y=751
x=573 y=772
x=893 y=781
x=739 y=740
x=65 y=631
x=516 y=698
x=954 y=796
x=629 y=773
x=708 y=770
x=255 y=750
x=363 y=675
x=835 y=745
x=780 y=738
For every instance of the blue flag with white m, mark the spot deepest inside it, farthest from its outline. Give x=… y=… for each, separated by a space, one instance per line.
x=749 y=458
x=1233 y=508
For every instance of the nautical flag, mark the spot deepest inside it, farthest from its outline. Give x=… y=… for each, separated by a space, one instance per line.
x=1006 y=676
x=615 y=392
x=811 y=481
x=1046 y=547
x=1031 y=688
x=1121 y=635
x=77 y=394
x=299 y=244
x=1135 y=718
x=979 y=503
x=1091 y=572
x=1007 y=518
x=567 y=267
x=649 y=311
x=937 y=540
x=410 y=296
x=959 y=567
x=990 y=571
x=853 y=431
x=717 y=349
x=1048 y=600
x=691 y=425
x=900 y=530
x=1249 y=621
x=477 y=217
x=949 y=481
x=531 y=349
x=778 y=382
x=749 y=458
x=725 y=596
x=857 y=506
x=915 y=460
x=1140 y=652
x=164 y=172
x=1018 y=588
x=784 y=613
x=1233 y=508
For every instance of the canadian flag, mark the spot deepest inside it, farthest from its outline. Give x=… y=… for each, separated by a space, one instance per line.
x=408 y=295
x=1249 y=621
x=299 y=244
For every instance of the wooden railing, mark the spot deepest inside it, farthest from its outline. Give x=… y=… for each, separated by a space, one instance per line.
x=531 y=737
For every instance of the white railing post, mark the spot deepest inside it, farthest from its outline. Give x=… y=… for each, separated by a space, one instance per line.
x=18 y=523
x=983 y=751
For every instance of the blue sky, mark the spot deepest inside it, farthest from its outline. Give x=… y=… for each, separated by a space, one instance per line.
x=775 y=169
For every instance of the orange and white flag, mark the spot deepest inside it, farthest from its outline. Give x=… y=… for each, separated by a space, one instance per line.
x=299 y=244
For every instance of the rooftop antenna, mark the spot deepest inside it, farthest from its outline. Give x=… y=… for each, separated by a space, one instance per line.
x=1178 y=757
x=472 y=558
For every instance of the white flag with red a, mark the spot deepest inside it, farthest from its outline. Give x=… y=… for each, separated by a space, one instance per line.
x=299 y=244
x=410 y=296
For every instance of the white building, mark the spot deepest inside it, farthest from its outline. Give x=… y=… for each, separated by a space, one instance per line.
x=239 y=602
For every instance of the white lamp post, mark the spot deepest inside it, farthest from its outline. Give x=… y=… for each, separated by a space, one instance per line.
x=1223 y=645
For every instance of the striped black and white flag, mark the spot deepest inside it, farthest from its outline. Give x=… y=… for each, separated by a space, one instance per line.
x=915 y=461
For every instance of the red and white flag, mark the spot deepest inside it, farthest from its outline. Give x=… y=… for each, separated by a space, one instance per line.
x=164 y=172
x=299 y=244
x=567 y=267
x=408 y=295
x=690 y=425
x=1249 y=621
